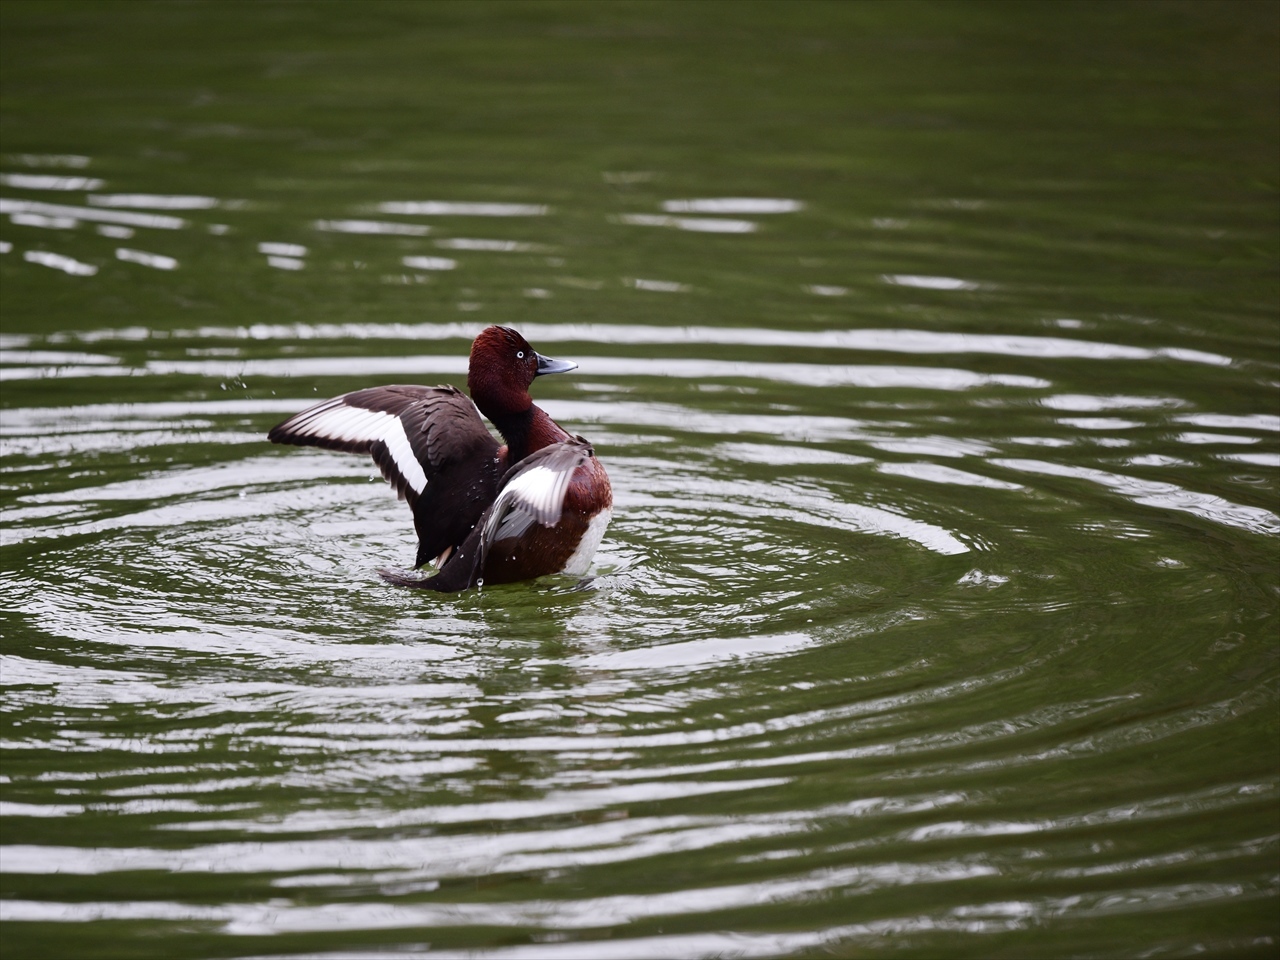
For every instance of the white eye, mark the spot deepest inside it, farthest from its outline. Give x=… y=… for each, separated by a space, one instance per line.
x=519 y=354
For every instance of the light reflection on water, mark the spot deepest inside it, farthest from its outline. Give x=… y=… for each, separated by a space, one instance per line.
x=887 y=341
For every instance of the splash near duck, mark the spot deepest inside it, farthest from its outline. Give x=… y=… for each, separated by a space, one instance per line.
x=484 y=512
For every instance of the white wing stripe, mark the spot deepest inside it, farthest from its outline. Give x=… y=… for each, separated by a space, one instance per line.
x=341 y=422
x=537 y=494
x=540 y=490
x=397 y=442
x=338 y=421
x=352 y=423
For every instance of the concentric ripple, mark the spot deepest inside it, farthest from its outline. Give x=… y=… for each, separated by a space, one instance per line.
x=870 y=653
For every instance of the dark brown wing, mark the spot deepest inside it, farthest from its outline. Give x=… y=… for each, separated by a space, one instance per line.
x=430 y=444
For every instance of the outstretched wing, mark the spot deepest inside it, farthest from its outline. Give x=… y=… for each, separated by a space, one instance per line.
x=430 y=444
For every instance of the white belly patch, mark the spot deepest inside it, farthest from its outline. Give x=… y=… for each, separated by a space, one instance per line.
x=578 y=563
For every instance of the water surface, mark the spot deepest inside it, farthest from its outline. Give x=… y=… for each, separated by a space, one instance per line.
x=933 y=352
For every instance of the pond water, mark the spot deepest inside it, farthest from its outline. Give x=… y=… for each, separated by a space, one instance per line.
x=933 y=352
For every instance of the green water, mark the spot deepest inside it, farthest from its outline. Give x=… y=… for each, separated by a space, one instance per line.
x=939 y=611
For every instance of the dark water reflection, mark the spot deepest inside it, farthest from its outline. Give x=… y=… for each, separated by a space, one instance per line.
x=939 y=610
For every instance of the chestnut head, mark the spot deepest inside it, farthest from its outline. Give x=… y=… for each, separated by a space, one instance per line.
x=502 y=367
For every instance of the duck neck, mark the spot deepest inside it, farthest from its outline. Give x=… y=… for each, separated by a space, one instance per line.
x=527 y=431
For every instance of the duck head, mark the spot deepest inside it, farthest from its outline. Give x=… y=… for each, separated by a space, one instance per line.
x=501 y=369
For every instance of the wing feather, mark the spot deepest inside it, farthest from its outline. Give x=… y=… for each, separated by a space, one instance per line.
x=413 y=433
x=533 y=491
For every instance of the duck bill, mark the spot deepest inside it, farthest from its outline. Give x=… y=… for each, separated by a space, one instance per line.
x=550 y=365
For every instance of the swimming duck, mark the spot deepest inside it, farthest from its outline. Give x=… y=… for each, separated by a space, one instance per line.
x=484 y=512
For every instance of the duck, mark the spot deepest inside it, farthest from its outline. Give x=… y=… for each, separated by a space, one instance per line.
x=485 y=512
